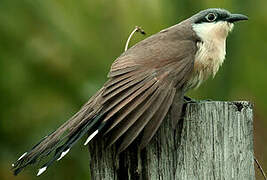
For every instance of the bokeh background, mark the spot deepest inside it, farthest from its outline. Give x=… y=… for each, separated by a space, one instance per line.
x=55 y=54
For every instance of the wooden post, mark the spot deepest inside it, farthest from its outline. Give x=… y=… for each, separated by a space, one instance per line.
x=214 y=141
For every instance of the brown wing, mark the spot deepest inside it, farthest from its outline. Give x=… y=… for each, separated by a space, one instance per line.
x=141 y=89
x=142 y=86
x=149 y=110
x=129 y=112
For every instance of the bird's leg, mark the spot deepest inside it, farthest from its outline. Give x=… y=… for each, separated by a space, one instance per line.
x=189 y=100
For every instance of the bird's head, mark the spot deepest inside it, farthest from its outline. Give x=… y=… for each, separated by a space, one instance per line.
x=215 y=23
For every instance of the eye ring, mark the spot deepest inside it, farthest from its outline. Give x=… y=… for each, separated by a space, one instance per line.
x=211 y=17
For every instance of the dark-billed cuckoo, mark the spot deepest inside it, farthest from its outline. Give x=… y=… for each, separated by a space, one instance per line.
x=143 y=83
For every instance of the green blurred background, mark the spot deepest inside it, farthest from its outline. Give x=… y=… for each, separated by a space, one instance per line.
x=55 y=54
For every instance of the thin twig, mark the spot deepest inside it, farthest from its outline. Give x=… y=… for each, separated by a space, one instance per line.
x=259 y=166
x=136 y=29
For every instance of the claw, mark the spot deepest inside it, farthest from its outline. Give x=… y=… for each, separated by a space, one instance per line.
x=189 y=100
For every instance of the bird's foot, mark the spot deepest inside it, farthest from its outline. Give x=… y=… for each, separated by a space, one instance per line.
x=191 y=100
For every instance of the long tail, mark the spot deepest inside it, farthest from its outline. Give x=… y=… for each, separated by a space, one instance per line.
x=61 y=140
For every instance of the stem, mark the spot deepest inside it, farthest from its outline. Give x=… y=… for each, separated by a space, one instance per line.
x=261 y=170
x=136 y=29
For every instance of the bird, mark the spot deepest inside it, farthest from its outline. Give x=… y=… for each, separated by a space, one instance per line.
x=144 y=84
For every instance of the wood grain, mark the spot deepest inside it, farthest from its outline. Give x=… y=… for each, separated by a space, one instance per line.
x=214 y=141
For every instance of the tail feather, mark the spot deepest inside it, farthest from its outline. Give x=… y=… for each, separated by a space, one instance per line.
x=53 y=143
x=62 y=150
x=26 y=159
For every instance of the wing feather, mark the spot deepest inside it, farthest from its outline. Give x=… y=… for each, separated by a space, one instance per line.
x=153 y=125
x=137 y=127
x=121 y=71
x=126 y=89
x=127 y=82
x=115 y=80
x=176 y=108
x=131 y=113
x=132 y=98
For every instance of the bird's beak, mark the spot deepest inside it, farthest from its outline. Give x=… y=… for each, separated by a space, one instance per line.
x=236 y=17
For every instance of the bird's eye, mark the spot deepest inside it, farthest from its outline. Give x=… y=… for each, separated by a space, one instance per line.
x=211 y=17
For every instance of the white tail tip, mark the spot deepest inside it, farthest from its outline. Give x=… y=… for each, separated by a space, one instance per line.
x=41 y=171
x=22 y=156
x=90 y=137
x=63 y=154
x=13 y=165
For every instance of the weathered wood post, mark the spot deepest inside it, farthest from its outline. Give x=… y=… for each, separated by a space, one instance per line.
x=215 y=141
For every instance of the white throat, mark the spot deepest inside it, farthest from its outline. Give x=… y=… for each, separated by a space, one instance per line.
x=217 y=30
x=211 y=50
